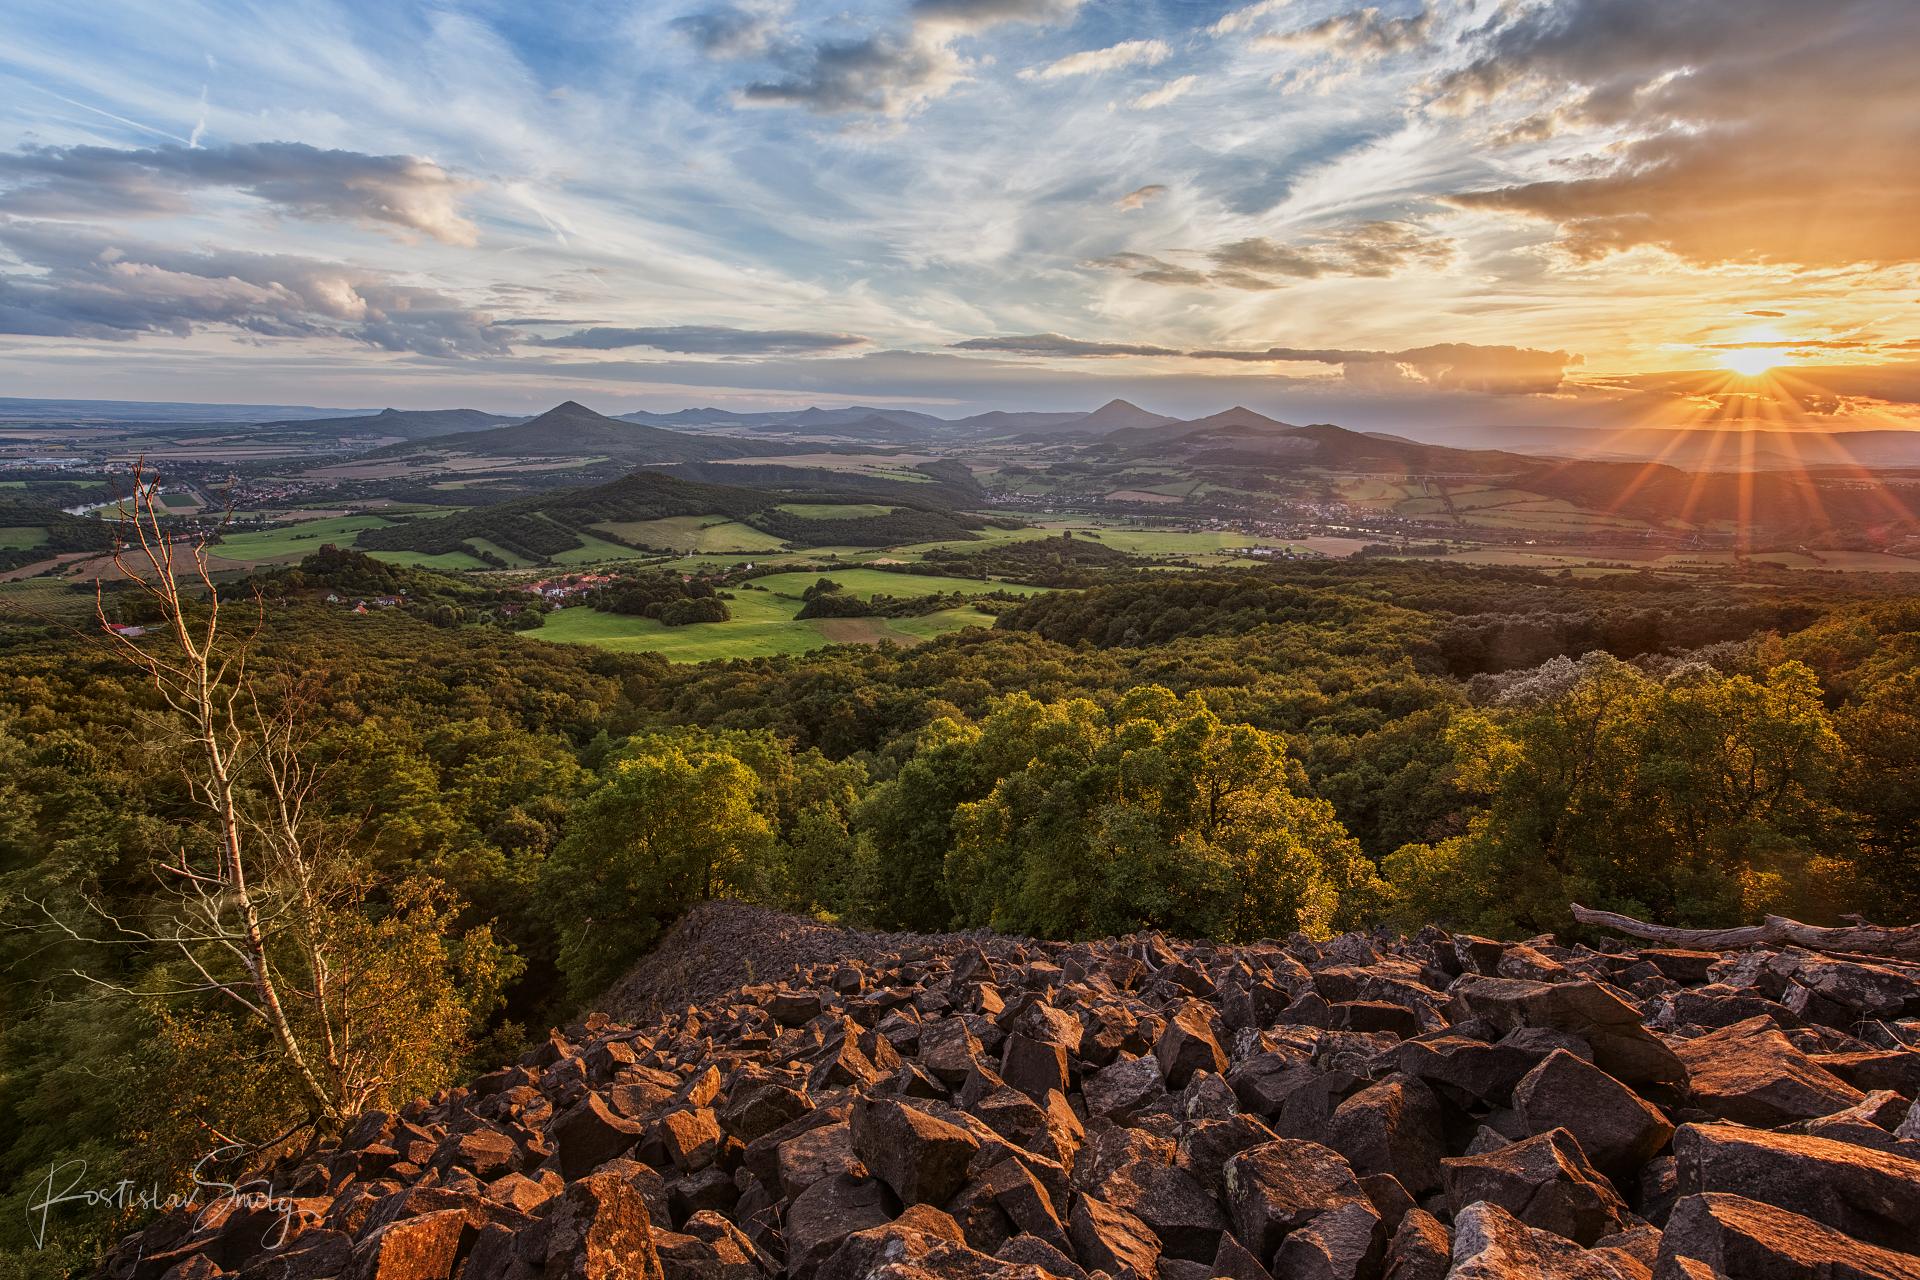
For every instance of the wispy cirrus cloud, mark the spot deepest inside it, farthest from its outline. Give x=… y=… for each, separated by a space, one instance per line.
x=1140 y=197
x=1115 y=57
x=398 y=193
x=1170 y=92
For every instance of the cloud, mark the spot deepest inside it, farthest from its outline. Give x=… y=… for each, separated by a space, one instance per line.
x=1362 y=33
x=1166 y=93
x=86 y=283
x=978 y=15
x=1446 y=366
x=730 y=31
x=1055 y=344
x=1128 y=53
x=1139 y=197
x=1771 y=315
x=1243 y=18
x=1153 y=270
x=892 y=73
x=1370 y=250
x=1723 y=130
x=695 y=339
x=408 y=193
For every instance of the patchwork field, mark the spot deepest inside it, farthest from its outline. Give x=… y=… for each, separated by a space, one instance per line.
x=763 y=622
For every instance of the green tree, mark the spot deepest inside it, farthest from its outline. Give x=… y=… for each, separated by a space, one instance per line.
x=672 y=824
x=1701 y=798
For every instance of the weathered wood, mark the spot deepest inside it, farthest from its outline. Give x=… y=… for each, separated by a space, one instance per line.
x=1898 y=942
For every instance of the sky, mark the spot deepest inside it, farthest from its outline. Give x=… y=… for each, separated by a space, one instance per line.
x=1586 y=212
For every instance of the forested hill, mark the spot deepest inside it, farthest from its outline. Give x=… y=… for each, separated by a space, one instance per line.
x=505 y=825
x=571 y=429
x=549 y=524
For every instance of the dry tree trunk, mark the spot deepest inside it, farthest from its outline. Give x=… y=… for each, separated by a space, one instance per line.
x=209 y=686
x=1901 y=942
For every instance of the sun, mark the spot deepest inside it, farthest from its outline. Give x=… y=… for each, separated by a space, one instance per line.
x=1751 y=362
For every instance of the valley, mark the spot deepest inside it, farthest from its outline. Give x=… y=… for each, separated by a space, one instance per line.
x=713 y=494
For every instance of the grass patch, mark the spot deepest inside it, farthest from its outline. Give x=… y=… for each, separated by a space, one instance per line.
x=833 y=510
x=692 y=533
x=296 y=540
x=20 y=537
x=445 y=561
x=763 y=623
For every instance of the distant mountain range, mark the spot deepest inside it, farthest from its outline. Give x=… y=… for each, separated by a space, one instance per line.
x=710 y=433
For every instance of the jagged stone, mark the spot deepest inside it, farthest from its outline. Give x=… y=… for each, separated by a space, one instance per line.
x=1110 y=1239
x=1188 y=1044
x=1736 y=1237
x=1618 y=1129
x=920 y=1156
x=1622 y=1045
x=1545 y=1181
x=1870 y=1195
x=1280 y=1186
x=1751 y=1073
x=1490 y=1243
x=590 y=1135
x=1391 y=1127
x=1422 y=1249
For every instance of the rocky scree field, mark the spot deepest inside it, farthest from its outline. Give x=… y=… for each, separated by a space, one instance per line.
x=1366 y=1108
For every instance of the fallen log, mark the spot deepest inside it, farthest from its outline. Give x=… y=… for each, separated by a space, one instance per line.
x=1900 y=942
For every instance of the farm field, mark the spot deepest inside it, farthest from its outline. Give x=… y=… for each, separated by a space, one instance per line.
x=293 y=541
x=692 y=533
x=763 y=622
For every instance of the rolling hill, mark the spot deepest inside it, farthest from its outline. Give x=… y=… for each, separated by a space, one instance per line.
x=570 y=429
x=409 y=424
x=540 y=527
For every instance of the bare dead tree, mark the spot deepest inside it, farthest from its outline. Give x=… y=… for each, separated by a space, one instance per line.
x=265 y=880
x=1897 y=942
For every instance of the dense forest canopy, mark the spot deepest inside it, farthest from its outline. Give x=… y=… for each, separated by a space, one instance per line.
x=1230 y=754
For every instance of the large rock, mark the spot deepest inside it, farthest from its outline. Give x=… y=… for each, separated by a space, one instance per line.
x=1622 y=1045
x=1421 y=1249
x=599 y=1229
x=1618 y=1129
x=1392 y=1127
x=1751 y=1073
x=1489 y=1243
x=826 y=1213
x=1545 y=1181
x=1188 y=1045
x=1743 y=1238
x=422 y=1248
x=1107 y=1238
x=1870 y=1195
x=590 y=1135
x=1341 y=1244
x=922 y=1157
x=1278 y=1187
